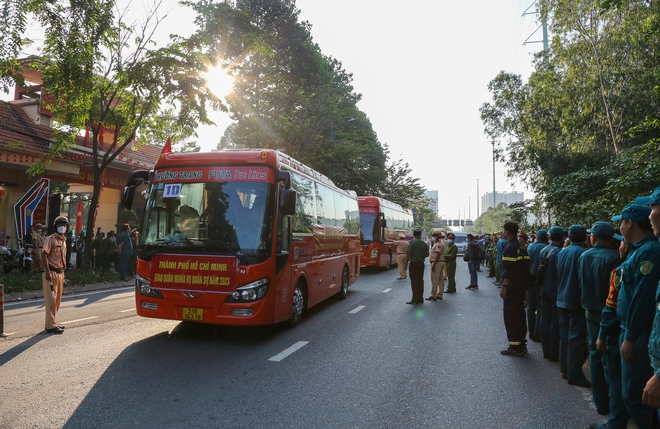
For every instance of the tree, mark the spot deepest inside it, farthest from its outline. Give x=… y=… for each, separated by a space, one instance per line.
x=102 y=74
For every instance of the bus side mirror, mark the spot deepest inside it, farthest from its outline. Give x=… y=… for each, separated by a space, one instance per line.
x=284 y=176
x=288 y=202
x=127 y=197
x=135 y=179
x=383 y=223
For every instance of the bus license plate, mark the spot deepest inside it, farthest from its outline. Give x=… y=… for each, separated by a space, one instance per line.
x=192 y=313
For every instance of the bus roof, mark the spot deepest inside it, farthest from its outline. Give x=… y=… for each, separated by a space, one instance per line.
x=256 y=156
x=373 y=201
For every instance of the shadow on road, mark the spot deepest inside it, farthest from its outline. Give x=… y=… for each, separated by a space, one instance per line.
x=20 y=348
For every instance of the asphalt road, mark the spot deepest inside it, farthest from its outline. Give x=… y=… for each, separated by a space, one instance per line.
x=370 y=361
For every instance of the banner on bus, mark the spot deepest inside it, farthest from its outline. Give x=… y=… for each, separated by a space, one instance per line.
x=215 y=174
x=194 y=273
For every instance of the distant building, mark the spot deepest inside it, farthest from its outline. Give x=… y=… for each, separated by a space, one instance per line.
x=433 y=195
x=501 y=197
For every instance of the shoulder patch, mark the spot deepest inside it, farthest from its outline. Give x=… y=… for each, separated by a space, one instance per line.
x=645 y=267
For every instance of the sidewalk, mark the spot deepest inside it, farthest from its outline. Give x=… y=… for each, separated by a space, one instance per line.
x=69 y=290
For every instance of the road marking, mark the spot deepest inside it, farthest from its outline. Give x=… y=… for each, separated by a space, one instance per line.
x=387 y=290
x=283 y=354
x=79 y=320
x=356 y=309
x=126 y=311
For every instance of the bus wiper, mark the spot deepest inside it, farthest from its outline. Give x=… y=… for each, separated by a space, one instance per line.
x=241 y=257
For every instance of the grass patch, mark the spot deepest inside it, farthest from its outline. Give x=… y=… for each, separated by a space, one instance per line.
x=18 y=282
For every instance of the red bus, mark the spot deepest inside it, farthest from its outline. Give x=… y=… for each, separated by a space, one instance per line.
x=381 y=221
x=241 y=237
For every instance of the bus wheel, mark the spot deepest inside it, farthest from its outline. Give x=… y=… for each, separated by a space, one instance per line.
x=388 y=261
x=297 y=306
x=343 y=292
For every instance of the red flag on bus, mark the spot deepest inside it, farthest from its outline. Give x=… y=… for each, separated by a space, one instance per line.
x=167 y=148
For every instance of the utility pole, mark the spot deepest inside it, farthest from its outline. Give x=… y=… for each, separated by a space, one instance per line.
x=493 y=205
x=477 y=199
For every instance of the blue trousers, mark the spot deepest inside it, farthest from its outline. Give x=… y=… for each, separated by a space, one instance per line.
x=549 y=326
x=473 y=267
x=599 y=387
x=634 y=376
x=618 y=418
x=573 y=350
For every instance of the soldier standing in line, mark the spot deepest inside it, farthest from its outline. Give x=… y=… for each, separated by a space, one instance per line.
x=548 y=276
x=651 y=395
x=401 y=246
x=534 y=290
x=594 y=272
x=416 y=253
x=515 y=279
x=608 y=344
x=573 y=350
x=636 y=307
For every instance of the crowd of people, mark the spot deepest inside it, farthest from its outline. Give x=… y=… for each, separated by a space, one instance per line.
x=111 y=250
x=584 y=294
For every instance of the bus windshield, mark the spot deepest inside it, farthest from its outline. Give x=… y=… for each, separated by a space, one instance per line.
x=226 y=217
x=369 y=228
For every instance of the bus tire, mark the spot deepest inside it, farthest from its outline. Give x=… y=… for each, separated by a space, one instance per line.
x=343 y=291
x=297 y=306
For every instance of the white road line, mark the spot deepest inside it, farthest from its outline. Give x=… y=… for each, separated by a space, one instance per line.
x=356 y=309
x=79 y=320
x=126 y=311
x=283 y=354
x=387 y=290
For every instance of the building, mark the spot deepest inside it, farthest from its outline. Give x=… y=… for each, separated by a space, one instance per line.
x=501 y=197
x=25 y=137
x=433 y=195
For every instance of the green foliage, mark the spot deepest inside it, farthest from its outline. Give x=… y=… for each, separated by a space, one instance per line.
x=128 y=217
x=580 y=131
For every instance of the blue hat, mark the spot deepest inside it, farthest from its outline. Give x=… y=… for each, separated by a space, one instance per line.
x=603 y=230
x=542 y=234
x=618 y=237
x=654 y=198
x=577 y=230
x=556 y=233
x=634 y=212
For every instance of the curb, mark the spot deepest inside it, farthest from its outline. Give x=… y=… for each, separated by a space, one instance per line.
x=68 y=290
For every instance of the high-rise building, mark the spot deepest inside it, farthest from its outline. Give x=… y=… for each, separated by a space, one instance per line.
x=433 y=196
x=500 y=197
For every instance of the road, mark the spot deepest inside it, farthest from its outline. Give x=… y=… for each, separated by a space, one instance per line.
x=370 y=361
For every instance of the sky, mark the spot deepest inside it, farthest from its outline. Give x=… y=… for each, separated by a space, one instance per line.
x=422 y=68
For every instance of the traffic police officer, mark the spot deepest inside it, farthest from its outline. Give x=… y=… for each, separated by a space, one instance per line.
x=594 y=271
x=54 y=256
x=636 y=307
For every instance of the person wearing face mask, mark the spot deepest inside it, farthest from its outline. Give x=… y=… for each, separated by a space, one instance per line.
x=54 y=256
x=450 y=263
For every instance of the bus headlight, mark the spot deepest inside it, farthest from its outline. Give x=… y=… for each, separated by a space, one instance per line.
x=143 y=287
x=374 y=253
x=250 y=292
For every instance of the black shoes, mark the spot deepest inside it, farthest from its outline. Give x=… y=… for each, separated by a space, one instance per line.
x=449 y=291
x=581 y=383
x=472 y=287
x=431 y=298
x=55 y=330
x=415 y=302
x=515 y=351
